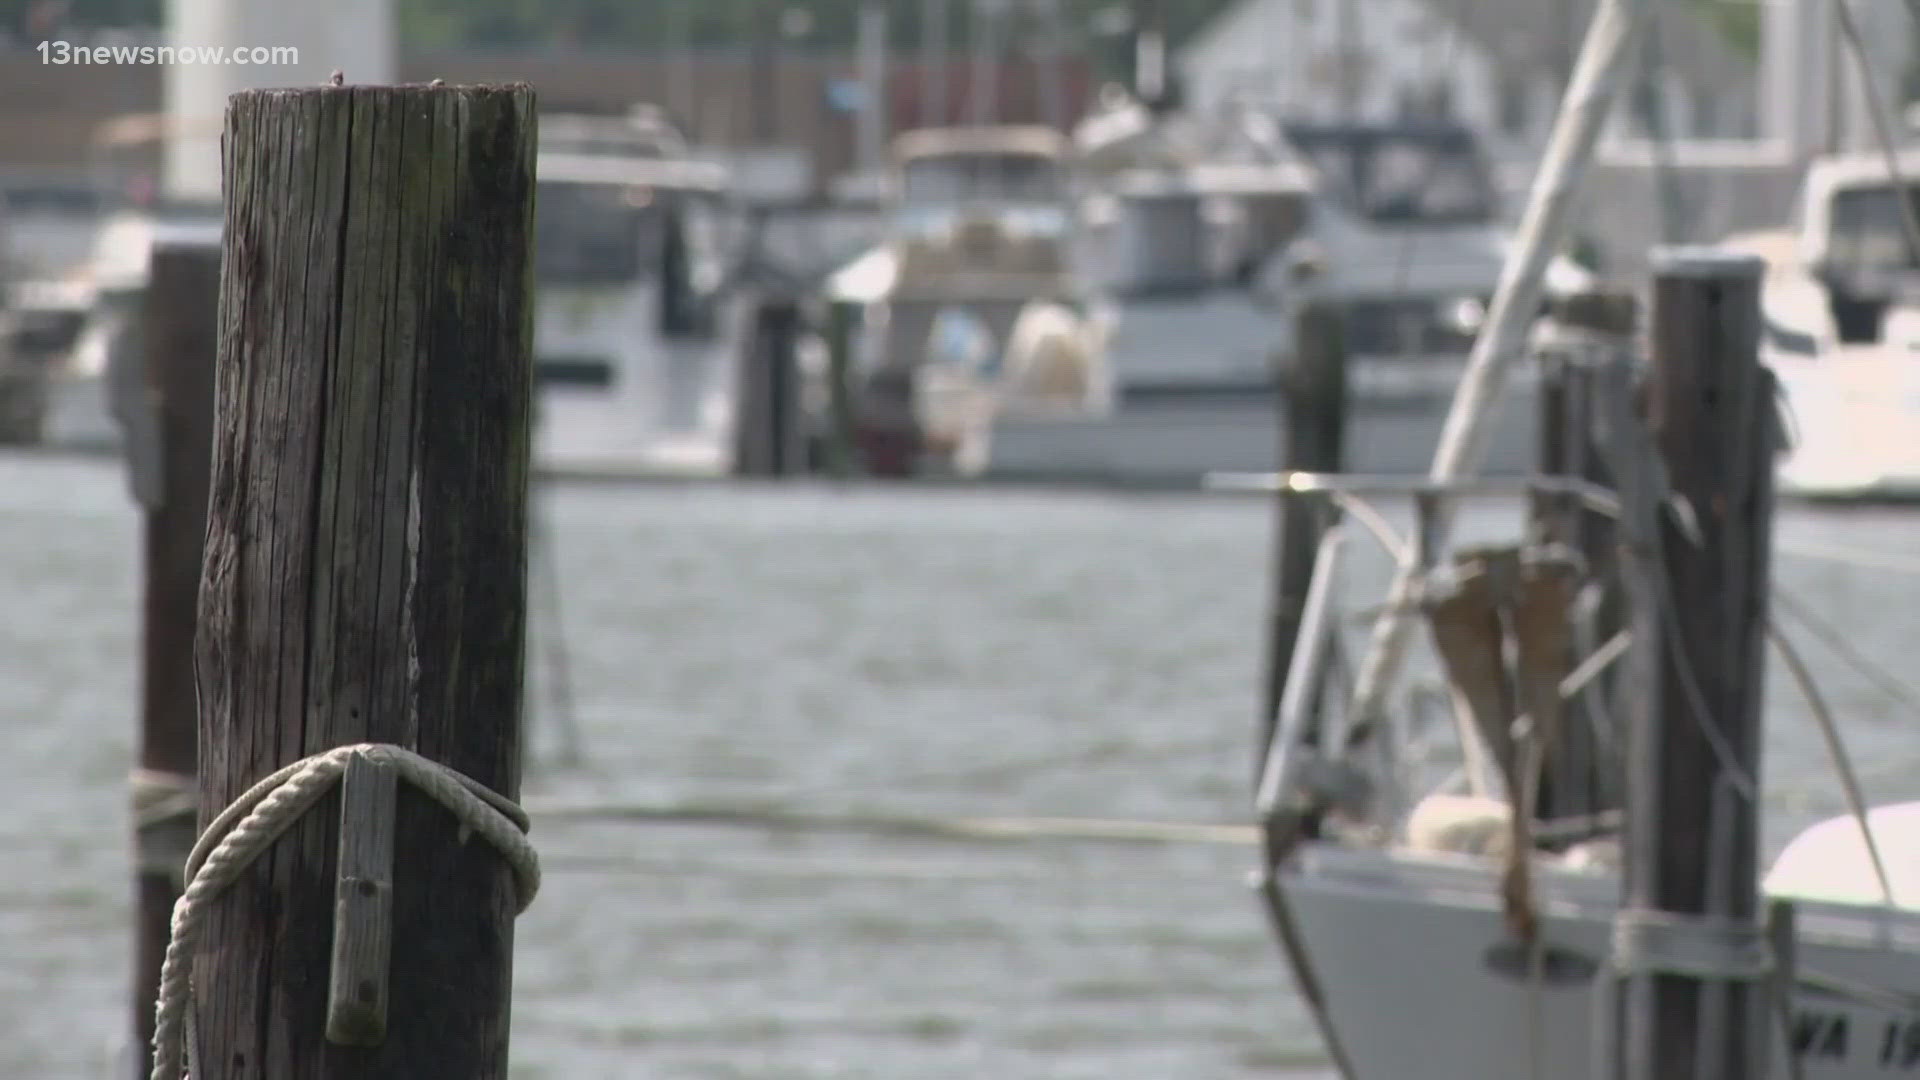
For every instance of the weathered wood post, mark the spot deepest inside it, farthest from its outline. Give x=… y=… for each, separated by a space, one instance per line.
x=173 y=387
x=1694 y=737
x=767 y=435
x=1587 y=331
x=1313 y=411
x=843 y=327
x=365 y=576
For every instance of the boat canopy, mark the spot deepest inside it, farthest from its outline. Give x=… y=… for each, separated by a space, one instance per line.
x=677 y=174
x=1032 y=139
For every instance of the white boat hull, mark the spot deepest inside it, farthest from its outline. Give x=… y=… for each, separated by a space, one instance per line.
x=1854 y=420
x=675 y=421
x=1400 y=942
x=1178 y=436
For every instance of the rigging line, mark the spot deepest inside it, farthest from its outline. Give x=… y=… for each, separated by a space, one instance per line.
x=1882 y=124
x=1830 y=732
x=1697 y=708
x=1830 y=636
x=1375 y=522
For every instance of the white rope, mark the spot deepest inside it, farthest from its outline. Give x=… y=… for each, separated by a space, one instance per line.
x=248 y=827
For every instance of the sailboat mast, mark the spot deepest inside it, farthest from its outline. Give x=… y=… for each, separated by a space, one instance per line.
x=1605 y=65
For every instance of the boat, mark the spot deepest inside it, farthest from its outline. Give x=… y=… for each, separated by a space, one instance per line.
x=635 y=340
x=1842 y=300
x=87 y=322
x=1466 y=890
x=974 y=307
x=1247 y=213
x=635 y=334
x=1425 y=947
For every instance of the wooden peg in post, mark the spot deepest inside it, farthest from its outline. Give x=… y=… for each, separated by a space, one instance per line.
x=363 y=904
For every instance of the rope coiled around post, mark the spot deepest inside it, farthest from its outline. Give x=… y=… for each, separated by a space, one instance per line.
x=248 y=827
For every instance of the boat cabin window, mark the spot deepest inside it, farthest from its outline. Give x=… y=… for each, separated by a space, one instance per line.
x=692 y=264
x=1166 y=244
x=957 y=179
x=1867 y=229
x=1867 y=255
x=597 y=234
x=1407 y=176
x=45 y=334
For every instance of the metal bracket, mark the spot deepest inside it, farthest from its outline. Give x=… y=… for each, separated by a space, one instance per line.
x=363 y=904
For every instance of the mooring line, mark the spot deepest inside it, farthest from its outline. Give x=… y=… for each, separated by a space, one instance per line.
x=1109 y=830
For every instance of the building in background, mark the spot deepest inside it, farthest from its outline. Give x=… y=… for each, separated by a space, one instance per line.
x=1496 y=65
x=52 y=118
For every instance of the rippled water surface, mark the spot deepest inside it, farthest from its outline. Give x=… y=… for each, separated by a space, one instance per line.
x=867 y=651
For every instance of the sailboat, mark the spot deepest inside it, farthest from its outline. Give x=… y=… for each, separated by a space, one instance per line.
x=1443 y=917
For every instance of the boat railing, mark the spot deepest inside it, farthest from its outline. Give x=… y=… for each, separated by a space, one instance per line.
x=1325 y=763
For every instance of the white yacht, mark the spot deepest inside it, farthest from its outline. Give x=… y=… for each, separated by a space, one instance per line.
x=1208 y=245
x=634 y=340
x=975 y=307
x=1842 y=328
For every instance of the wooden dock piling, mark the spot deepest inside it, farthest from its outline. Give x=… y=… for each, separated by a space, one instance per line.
x=768 y=441
x=843 y=327
x=173 y=439
x=1590 y=330
x=1694 y=735
x=365 y=572
x=1313 y=407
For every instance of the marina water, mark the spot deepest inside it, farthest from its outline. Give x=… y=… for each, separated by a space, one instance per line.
x=868 y=650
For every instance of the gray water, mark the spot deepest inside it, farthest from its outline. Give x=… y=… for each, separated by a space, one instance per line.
x=869 y=650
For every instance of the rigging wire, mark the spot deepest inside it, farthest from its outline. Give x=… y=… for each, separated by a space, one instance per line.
x=1837 y=750
x=1830 y=636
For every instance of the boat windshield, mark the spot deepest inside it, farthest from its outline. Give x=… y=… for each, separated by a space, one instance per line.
x=961 y=179
x=1867 y=230
x=596 y=234
x=1401 y=177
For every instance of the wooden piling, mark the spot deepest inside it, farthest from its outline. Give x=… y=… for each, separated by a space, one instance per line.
x=1594 y=329
x=1313 y=410
x=843 y=327
x=1695 y=740
x=174 y=388
x=767 y=433
x=365 y=574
